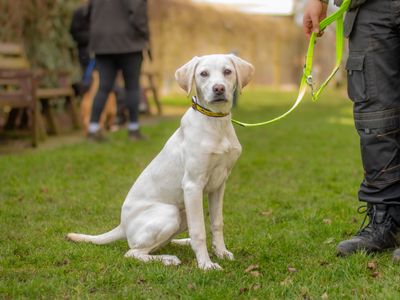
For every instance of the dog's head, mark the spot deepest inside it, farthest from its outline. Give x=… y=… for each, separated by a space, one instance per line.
x=216 y=77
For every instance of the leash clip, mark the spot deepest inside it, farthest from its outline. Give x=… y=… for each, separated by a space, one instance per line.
x=310 y=82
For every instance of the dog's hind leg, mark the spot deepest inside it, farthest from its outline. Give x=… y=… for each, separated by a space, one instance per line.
x=182 y=228
x=142 y=254
x=181 y=242
x=151 y=230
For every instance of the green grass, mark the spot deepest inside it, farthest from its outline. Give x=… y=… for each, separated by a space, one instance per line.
x=289 y=200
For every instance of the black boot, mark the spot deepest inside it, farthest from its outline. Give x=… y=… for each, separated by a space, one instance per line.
x=382 y=231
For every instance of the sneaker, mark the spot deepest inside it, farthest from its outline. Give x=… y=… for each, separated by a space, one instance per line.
x=381 y=233
x=97 y=137
x=136 y=135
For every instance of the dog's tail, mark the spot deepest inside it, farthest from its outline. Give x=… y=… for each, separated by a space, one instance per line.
x=116 y=234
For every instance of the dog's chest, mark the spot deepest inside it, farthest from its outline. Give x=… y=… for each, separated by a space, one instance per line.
x=222 y=160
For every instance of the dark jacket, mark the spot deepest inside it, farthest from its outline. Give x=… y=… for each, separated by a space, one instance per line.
x=351 y=15
x=118 y=26
x=80 y=26
x=353 y=4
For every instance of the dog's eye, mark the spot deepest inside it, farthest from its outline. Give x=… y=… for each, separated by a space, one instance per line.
x=204 y=74
x=227 y=72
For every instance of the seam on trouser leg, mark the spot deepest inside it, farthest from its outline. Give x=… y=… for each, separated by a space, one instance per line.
x=376 y=115
x=380 y=146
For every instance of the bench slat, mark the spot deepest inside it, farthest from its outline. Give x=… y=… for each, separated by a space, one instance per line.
x=54 y=92
x=15 y=98
x=11 y=49
x=13 y=63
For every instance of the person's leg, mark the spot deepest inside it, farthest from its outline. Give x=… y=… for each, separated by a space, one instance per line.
x=84 y=58
x=119 y=91
x=130 y=64
x=373 y=85
x=107 y=69
x=396 y=6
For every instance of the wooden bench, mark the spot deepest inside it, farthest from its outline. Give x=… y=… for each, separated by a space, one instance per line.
x=148 y=83
x=149 y=86
x=19 y=92
x=14 y=62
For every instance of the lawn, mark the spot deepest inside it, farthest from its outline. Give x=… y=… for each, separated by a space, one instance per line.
x=289 y=200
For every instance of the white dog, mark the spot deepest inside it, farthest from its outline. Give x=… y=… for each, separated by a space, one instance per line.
x=167 y=198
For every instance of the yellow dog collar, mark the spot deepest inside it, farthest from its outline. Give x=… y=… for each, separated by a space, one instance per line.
x=206 y=111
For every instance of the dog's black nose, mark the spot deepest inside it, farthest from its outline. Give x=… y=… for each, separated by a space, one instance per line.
x=219 y=89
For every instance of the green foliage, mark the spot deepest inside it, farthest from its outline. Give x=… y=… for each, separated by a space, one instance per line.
x=290 y=199
x=176 y=35
x=43 y=28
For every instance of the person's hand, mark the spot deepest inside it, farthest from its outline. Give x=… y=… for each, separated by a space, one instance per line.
x=315 y=11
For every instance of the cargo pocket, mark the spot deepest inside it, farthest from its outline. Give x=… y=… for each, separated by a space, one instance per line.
x=356 y=86
x=380 y=149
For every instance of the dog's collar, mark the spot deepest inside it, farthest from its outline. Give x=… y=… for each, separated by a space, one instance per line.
x=206 y=111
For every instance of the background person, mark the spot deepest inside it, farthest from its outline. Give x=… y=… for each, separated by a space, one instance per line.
x=119 y=33
x=373 y=72
x=79 y=30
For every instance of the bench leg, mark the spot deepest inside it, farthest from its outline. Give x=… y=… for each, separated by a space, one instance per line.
x=34 y=125
x=153 y=89
x=11 y=122
x=156 y=100
x=41 y=127
x=73 y=111
x=49 y=115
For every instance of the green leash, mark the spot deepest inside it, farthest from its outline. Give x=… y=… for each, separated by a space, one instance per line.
x=306 y=79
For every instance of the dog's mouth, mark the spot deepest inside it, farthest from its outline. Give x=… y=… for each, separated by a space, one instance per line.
x=219 y=100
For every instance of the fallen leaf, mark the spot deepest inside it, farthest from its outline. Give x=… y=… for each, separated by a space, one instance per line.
x=287 y=281
x=325 y=296
x=141 y=281
x=243 y=290
x=291 y=269
x=354 y=220
x=252 y=268
x=256 y=286
x=255 y=273
x=266 y=213
x=327 y=221
x=331 y=240
x=376 y=274
x=372 y=265
x=62 y=263
x=191 y=286
x=44 y=189
x=305 y=294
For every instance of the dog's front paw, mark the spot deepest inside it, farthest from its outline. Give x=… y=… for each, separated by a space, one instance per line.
x=224 y=253
x=209 y=266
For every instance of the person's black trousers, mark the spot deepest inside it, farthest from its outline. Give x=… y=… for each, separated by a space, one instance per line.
x=373 y=69
x=84 y=58
x=108 y=65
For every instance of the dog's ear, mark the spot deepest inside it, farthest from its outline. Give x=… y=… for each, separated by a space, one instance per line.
x=244 y=71
x=185 y=74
